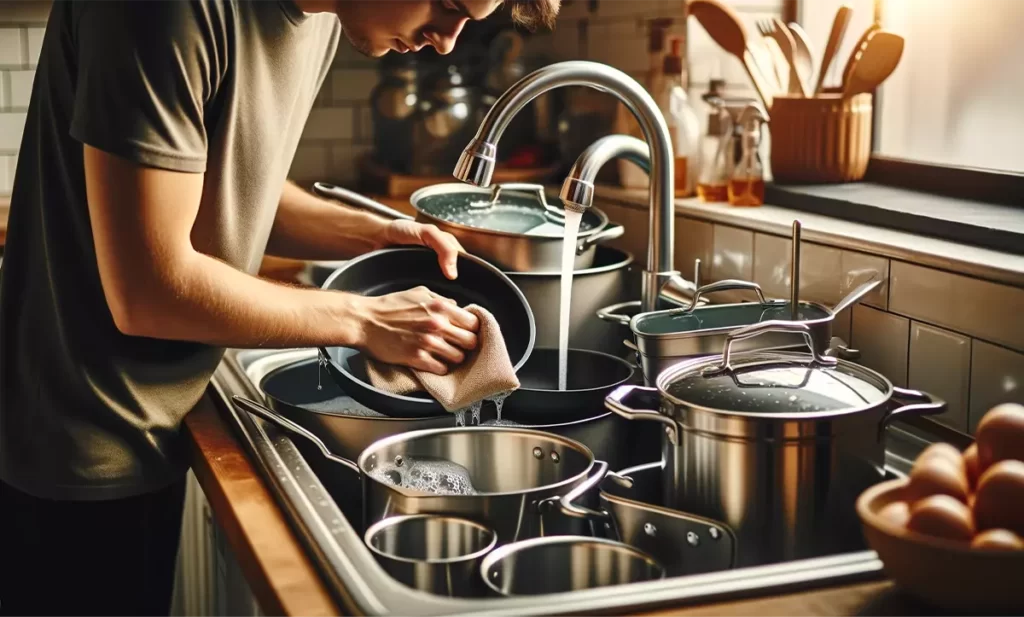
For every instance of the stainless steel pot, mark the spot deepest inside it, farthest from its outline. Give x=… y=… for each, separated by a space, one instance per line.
x=777 y=445
x=565 y=563
x=509 y=479
x=436 y=554
x=612 y=278
x=511 y=225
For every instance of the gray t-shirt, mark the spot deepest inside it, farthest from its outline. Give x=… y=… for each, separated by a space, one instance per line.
x=223 y=88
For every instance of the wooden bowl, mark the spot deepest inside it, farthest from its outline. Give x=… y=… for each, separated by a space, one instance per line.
x=949 y=575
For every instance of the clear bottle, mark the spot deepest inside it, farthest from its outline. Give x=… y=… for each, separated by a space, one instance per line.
x=746 y=185
x=682 y=120
x=715 y=160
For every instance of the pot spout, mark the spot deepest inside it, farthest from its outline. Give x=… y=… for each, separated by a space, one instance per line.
x=476 y=164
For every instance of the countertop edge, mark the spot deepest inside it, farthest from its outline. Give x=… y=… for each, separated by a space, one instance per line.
x=280 y=573
x=936 y=253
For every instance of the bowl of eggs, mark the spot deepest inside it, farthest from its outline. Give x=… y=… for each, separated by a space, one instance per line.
x=952 y=533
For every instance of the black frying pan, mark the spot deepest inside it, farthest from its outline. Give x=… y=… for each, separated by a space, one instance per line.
x=398 y=269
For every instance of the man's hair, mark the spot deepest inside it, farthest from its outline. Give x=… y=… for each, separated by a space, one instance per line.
x=534 y=13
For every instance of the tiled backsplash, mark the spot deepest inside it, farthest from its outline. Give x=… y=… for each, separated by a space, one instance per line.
x=20 y=42
x=957 y=337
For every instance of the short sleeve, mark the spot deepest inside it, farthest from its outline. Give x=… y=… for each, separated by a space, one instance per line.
x=146 y=73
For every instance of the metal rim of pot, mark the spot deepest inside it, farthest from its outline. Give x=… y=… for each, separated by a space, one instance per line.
x=628 y=259
x=373 y=530
x=502 y=553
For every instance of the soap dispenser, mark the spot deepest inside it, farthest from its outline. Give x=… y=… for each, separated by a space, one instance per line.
x=681 y=119
x=716 y=159
x=746 y=184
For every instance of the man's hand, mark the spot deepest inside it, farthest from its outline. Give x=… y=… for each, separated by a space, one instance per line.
x=416 y=328
x=444 y=244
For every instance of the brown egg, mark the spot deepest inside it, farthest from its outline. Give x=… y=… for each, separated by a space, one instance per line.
x=896 y=513
x=971 y=465
x=998 y=540
x=942 y=516
x=940 y=450
x=1000 y=435
x=937 y=475
x=999 y=500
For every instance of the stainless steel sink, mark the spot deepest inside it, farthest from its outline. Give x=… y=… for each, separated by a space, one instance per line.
x=322 y=498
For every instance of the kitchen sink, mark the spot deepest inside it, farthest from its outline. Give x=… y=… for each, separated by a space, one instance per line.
x=322 y=500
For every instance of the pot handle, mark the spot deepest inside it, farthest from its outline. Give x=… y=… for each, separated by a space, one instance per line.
x=565 y=502
x=777 y=325
x=272 y=416
x=726 y=285
x=925 y=405
x=610 y=232
x=611 y=313
x=616 y=402
x=351 y=198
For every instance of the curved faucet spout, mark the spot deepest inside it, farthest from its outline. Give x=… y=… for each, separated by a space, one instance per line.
x=476 y=164
x=578 y=187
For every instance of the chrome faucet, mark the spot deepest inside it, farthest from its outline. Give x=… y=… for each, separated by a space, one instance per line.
x=476 y=164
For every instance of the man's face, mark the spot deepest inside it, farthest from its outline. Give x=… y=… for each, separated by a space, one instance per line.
x=376 y=27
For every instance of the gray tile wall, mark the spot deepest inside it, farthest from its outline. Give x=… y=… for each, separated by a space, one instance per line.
x=957 y=337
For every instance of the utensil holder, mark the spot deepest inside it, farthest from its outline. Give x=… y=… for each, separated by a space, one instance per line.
x=825 y=139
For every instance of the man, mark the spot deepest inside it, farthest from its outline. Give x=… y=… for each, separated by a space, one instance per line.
x=151 y=182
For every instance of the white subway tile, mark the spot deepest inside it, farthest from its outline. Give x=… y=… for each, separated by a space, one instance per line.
x=821 y=275
x=12 y=125
x=859 y=268
x=6 y=177
x=344 y=167
x=35 y=44
x=733 y=257
x=21 y=88
x=694 y=240
x=940 y=364
x=12 y=166
x=12 y=52
x=772 y=270
x=352 y=84
x=842 y=326
x=619 y=44
x=982 y=309
x=883 y=340
x=997 y=376
x=364 y=134
x=329 y=123
x=621 y=8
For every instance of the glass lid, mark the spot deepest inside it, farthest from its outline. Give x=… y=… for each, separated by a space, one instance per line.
x=774 y=383
x=678 y=321
x=510 y=208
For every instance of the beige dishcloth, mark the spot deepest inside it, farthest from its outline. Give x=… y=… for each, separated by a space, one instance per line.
x=486 y=371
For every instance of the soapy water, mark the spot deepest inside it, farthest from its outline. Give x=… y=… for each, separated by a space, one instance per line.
x=499 y=402
x=572 y=226
x=500 y=422
x=428 y=475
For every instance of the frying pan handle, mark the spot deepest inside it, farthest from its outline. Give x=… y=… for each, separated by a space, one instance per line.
x=611 y=313
x=565 y=502
x=272 y=416
x=726 y=285
x=351 y=198
x=923 y=404
x=610 y=232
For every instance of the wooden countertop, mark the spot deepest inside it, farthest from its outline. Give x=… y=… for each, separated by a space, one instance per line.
x=286 y=582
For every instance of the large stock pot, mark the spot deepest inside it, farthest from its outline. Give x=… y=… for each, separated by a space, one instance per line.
x=775 y=444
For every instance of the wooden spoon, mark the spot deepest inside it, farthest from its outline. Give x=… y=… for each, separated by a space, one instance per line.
x=855 y=53
x=803 y=57
x=835 y=37
x=726 y=28
x=876 y=61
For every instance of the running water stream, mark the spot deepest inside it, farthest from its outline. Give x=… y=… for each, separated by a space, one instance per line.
x=572 y=228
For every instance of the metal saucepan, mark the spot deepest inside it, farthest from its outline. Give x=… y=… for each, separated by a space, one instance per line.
x=565 y=563
x=777 y=445
x=682 y=543
x=509 y=479
x=397 y=269
x=303 y=393
x=436 y=554
x=515 y=226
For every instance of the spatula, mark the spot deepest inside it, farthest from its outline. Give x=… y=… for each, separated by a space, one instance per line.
x=875 y=62
x=803 y=57
x=724 y=26
x=835 y=37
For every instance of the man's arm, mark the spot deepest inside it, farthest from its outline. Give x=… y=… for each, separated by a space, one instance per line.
x=308 y=227
x=157 y=285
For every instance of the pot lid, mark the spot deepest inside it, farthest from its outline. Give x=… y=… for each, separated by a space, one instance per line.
x=769 y=383
x=716 y=316
x=521 y=209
